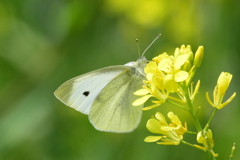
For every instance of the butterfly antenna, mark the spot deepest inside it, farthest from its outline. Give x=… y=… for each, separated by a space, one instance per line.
x=138 y=47
x=151 y=44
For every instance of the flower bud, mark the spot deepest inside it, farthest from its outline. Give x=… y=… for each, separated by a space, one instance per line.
x=223 y=82
x=190 y=53
x=177 y=52
x=200 y=137
x=206 y=138
x=187 y=66
x=199 y=56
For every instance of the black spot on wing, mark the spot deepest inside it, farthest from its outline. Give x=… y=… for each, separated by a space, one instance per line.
x=86 y=93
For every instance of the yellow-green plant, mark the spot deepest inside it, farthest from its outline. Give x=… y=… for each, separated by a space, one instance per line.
x=168 y=74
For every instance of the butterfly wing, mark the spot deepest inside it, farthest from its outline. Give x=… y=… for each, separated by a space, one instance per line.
x=80 y=92
x=112 y=109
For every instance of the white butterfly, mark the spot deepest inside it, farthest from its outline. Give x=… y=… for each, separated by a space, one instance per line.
x=106 y=95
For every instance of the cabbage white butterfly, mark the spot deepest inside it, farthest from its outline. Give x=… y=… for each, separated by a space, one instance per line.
x=106 y=95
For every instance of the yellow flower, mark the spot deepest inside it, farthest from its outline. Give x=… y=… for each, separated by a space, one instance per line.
x=172 y=68
x=220 y=90
x=171 y=134
x=175 y=67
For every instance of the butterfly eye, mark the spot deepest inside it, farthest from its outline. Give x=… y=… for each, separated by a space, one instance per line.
x=86 y=93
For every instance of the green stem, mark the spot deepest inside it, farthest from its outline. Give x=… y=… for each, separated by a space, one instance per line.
x=192 y=145
x=210 y=119
x=177 y=105
x=211 y=156
x=190 y=132
x=191 y=109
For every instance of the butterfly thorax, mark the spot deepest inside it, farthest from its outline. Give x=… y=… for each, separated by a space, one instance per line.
x=138 y=66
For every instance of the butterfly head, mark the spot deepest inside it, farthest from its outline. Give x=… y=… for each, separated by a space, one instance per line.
x=140 y=64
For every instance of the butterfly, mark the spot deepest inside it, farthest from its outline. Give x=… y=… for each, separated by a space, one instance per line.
x=106 y=96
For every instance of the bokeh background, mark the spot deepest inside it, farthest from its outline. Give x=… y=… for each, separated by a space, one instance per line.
x=44 y=43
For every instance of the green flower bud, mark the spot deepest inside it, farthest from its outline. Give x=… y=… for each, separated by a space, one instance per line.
x=187 y=66
x=199 y=56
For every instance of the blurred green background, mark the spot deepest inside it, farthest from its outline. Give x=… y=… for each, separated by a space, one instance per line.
x=44 y=43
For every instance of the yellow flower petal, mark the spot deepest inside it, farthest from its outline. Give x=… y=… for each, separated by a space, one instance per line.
x=161 y=119
x=159 y=102
x=181 y=76
x=152 y=138
x=149 y=76
x=141 y=100
x=154 y=126
x=208 y=99
x=180 y=60
x=141 y=92
x=150 y=67
x=167 y=128
x=174 y=118
x=170 y=84
x=164 y=65
x=159 y=58
x=227 y=101
x=150 y=107
x=167 y=141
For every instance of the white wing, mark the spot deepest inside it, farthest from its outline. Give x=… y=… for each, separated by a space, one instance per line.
x=112 y=109
x=80 y=92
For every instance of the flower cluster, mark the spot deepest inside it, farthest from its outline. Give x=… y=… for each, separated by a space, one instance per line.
x=167 y=74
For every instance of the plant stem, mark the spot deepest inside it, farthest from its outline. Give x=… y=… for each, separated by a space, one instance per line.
x=190 y=132
x=192 y=145
x=191 y=109
x=210 y=119
x=177 y=105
